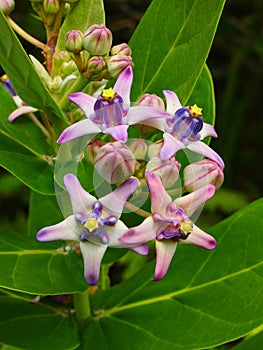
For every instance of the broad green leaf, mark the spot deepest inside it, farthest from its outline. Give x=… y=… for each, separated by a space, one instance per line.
x=22 y=74
x=171 y=44
x=36 y=326
x=207 y=298
x=81 y=16
x=253 y=341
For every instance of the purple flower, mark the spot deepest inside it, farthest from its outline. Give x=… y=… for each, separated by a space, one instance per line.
x=111 y=112
x=94 y=224
x=170 y=223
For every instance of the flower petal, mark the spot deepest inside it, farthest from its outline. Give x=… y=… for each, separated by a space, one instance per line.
x=92 y=256
x=81 y=128
x=207 y=130
x=81 y=200
x=203 y=149
x=84 y=101
x=114 y=233
x=141 y=249
x=191 y=202
x=172 y=101
x=67 y=230
x=164 y=253
x=141 y=113
x=20 y=111
x=143 y=233
x=170 y=146
x=114 y=202
x=118 y=132
x=159 y=197
x=201 y=239
x=123 y=85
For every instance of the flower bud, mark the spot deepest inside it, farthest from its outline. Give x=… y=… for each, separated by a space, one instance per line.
x=74 y=41
x=116 y=64
x=51 y=7
x=92 y=150
x=168 y=170
x=96 y=68
x=151 y=100
x=97 y=40
x=155 y=148
x=7 y=6
x=115 y=162
x=199 y=174
x=138 y=148
x=121 y=49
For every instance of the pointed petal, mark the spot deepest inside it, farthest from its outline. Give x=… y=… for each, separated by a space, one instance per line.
x=92 y=256
x=191 y=202
x=114 y=233
x=160 y=199
x=20 y=111
x=172 y=101
x=201 y=239
x=81 y=200
x=158 y=123
x=207 y=130
x=118 y=132
x=164 y=253
x=143 y=233
x=67 y=230
x=139 y=114
x=123 y=85
x=81 y=128
x=170 y=146
x=84 y=101
x=203 y=149
x=141 y=249
x=114 y=202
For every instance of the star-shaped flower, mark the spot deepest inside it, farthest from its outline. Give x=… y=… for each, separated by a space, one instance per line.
x=94 y=224
x=111 y=112
x=170 y=223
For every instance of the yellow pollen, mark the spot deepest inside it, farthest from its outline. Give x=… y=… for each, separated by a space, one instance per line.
x=91 y=224
x=108 y=94
x=186 y=226
x=195 y=111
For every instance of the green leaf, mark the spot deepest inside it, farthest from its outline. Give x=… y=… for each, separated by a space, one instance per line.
x=36 y=326
x=254 y=340
x=38 y=268
x=169 y=51
x=22 y=74
x=206 y=299
x=82 y=15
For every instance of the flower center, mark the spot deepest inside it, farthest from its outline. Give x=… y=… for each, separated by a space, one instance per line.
x=93 y=223
x=177 y=228
x=186 y=123
x=109 y=109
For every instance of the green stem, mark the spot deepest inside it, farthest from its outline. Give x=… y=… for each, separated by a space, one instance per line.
x=105 y=280
x=82 y=306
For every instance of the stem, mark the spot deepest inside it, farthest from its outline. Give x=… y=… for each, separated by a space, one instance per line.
x=82 y=306
x=25 y=35
x=137 y=210
x=105 y=280
x=37 y=122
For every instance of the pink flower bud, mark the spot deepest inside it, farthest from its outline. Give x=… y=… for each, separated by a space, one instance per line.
x=151 y=100
x=96 y=68
x=155 y=148
x=7 y=6
x=117 y=63
x=121 y=49
x=97 y=40
x=168 y=170
x=51 y=7
x=138 y=148
x=199 y=174
x=74 y=41
x=115 y=162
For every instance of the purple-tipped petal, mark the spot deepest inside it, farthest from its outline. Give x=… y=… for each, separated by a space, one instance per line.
x=203 y=149
x=92 y=256
x=20 y=111
x=172 y=101
x=200 y=239
x=118 y=132
x=191 y=202
x=142 y=249
x=81 y=200
x=207 y=130
x=114 y=202
x=84 y=101
x=143 y=233
x=159 y=197
x=123 y=85
x=81 y=128
x=170 y=146
x=114 y=233
x=164 y=253
x=158 y=123
x=67 y=230
x=141 y=113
